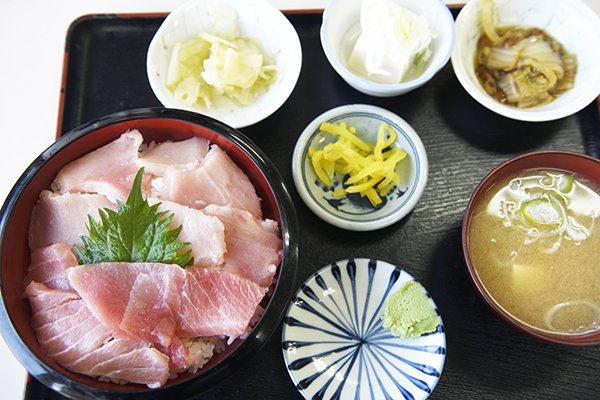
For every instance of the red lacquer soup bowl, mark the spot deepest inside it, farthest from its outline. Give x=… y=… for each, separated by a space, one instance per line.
x=580 y=165
x=158 y=125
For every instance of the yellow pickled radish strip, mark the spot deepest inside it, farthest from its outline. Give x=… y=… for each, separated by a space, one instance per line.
x=374 y=169
x=362 y=186
x=316 y=158
x=386 y=181
x=371 y=169
x=385 y=190
x=373 y=197
x=339 y=193
x=342 y=169
x=343 y=132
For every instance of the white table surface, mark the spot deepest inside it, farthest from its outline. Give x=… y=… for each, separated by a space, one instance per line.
x=32 y=38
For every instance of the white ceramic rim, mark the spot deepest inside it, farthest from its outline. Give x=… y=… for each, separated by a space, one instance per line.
x=292 y=70
x=508 y=111
x=383 y=88
x=344 y=223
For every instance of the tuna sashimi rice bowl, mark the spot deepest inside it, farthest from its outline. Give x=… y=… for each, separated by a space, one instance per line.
x=146 y=253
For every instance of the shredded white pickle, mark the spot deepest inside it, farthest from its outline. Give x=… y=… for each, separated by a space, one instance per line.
x=210 y=65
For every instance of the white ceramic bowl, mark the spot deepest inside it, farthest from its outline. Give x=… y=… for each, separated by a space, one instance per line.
x=352 y=212
x=571 y=22
x=341 y=27
x=258 y=20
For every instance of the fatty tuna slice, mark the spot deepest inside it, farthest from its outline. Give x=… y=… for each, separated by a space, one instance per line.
x=217 y=303
x=109 y=170
x=204 y=233
x=123 y=360
x=185 y=154
x=217 y=181
x=69 y=333
x=48 y=266
x=253 y=246
x=137 y=300
x=62 y=218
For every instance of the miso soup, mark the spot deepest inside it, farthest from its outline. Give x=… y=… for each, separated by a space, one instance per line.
x=535 y=246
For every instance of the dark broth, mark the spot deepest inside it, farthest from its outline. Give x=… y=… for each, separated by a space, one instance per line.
x=493 y=75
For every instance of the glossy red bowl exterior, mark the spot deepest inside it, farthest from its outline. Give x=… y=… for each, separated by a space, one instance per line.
x=579 y=164
x=155 y=124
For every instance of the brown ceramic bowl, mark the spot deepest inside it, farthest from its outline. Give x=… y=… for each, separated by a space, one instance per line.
x=155 y=124
x=579 y=164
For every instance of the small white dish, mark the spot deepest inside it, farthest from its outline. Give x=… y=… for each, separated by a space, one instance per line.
x=334 y=344
x=572 y=23
x=341 y=28
x=258 y=20
x=353 y=212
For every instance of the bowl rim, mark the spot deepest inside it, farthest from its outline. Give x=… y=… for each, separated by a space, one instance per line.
x=388 y=88
x=303 y=191
x=490 y=178
x=265 y=327
x=292 y=72
x=520 y=114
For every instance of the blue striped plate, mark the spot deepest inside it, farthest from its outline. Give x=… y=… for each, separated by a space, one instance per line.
x=335 y=346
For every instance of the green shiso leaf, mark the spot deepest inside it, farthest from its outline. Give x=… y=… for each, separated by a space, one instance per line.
x=136 y=232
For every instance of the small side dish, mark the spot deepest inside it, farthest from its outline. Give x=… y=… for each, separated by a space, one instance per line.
x=521 y=66
x=387 y=48
x=236 y=61
x=336 y=347
x=526 y=59
x=144 y=289
x=393 y=44
x=359 y=167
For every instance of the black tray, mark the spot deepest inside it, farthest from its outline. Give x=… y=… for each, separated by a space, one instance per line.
x=486 y=359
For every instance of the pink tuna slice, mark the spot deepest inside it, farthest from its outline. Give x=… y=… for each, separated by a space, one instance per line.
x=62 y=218
x=204 y=232
x=69 y=333
x=217 y=303
x=109 y=170
x=186 y=154
x=48 y=265
x=217 y=181
x=253 y=246
x=137 y=300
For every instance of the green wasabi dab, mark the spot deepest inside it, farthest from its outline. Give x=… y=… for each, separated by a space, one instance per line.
x=409 y=313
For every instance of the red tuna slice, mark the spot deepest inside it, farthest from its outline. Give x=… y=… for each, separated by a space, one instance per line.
x=217 y=303
x=62 y=218
x=138 y=300
x=205 y=233
x=69 y=333
x=48 y=265
x=217 y=181
x=186 y=154
x=253 y=246
x=109 y=170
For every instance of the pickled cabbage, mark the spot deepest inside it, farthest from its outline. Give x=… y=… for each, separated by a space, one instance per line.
x=210 y=65
x=521 y=66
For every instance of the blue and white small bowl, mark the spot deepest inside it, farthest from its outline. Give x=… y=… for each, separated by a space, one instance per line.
x=353 y=212
x=335 y=346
